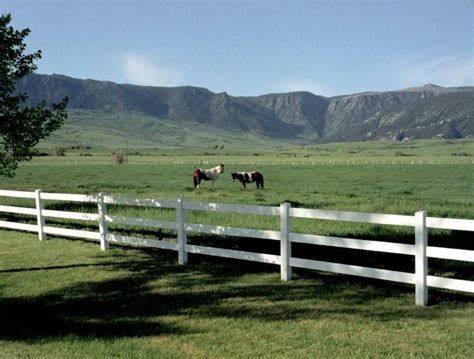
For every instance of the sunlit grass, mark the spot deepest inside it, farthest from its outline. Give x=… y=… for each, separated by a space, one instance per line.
x=66 y=298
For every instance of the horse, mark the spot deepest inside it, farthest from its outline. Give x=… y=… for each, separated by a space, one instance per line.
x=248 y=177
x=210 y=174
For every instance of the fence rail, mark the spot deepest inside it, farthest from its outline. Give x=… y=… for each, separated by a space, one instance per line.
x=419 y=222
x=314 y=161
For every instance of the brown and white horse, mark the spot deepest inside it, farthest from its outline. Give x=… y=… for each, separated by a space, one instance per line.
x=210 y=174
x=248 y=177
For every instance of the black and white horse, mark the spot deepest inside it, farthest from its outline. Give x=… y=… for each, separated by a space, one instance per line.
x=248 y=177
x=210 y=174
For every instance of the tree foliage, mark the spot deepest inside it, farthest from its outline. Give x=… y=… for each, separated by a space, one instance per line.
x=21 y=126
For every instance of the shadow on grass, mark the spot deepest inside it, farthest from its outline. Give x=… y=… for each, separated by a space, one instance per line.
x=68 y=266
x=152 y=286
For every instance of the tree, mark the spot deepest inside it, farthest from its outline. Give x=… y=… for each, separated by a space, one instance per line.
x=21 y=126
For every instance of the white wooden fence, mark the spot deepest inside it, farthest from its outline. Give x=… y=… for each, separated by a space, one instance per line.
x=419 y=221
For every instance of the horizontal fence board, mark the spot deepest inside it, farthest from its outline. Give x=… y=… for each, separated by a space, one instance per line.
x=141 y=242
x=232 y=231
x=70 y=215
x=69 y=197
x=373 y=218
x=140 y=202
x=450 y=253
x=140 y=222
x=450 y=223
x=221 y=207
x=71 y=233
x=19 y=210
x=229 y=253
x=358 y=244
x=449 y=283
x=401 y=277
x=386 y=247
x=19 y=226
x=17 y=194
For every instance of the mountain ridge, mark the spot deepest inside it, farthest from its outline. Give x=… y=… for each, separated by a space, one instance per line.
x=419 y=112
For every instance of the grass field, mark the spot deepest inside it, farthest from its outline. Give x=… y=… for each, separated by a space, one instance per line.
x=64 y=298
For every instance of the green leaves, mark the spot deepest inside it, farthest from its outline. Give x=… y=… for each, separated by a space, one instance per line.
x=21 y=127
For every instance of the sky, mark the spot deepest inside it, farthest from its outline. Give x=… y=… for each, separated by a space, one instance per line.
x=249 y=48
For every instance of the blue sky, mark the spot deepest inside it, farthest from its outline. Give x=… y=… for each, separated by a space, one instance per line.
x=254 y=47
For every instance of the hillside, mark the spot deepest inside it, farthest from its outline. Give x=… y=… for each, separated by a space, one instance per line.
x=189 y=115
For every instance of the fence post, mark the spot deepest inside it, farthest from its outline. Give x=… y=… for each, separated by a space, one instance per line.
x=182 y=237
x=103 y=228
x=39 y=215
x=421 y=260
x=285 y=244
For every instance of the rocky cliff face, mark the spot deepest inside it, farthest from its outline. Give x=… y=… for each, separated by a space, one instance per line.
x=301 y=109
x=417 y=112
x=422 y=112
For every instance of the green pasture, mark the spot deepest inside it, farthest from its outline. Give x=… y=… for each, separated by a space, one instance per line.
x=65 y=298
x=367 y=177
x=252 y=149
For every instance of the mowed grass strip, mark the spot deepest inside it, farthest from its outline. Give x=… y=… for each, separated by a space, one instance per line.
x=65 y=298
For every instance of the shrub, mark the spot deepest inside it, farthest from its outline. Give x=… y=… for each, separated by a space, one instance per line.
x=60 y=151
x=40 y=154
x=118 y=158
x=401 y=153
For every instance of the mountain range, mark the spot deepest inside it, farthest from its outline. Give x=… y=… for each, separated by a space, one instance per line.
x=156 y=113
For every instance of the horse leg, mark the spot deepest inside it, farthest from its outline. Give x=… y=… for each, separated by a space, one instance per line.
x=197 y=181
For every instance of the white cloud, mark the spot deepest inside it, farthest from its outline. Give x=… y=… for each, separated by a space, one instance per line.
x=139 y=70
x=303 y=85
x=455 y=70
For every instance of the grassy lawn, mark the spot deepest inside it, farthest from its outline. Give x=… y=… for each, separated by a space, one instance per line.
x=63 y=298
x=397 y=187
